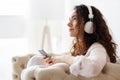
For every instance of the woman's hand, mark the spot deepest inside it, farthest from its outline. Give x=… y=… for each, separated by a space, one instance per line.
x=48 y=60
x=53 y=59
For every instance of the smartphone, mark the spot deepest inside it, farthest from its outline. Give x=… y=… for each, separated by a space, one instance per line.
x=43 y=53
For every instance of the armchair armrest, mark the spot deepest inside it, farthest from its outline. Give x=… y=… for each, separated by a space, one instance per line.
x=19 y=63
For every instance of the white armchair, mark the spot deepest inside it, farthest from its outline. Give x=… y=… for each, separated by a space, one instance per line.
x=60 y=71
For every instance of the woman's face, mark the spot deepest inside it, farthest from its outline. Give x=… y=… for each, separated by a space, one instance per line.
x=72 y=24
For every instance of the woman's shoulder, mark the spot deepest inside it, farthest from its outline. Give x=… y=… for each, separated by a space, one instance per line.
x=96 y=45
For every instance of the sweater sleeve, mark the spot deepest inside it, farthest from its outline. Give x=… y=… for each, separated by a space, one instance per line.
x=91 y=65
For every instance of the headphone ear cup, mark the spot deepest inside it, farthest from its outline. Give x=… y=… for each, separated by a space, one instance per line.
x=88 y=28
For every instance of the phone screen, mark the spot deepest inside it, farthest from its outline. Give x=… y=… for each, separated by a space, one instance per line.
x=43 y=53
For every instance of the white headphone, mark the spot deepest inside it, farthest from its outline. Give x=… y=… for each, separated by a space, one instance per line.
x=89 y=24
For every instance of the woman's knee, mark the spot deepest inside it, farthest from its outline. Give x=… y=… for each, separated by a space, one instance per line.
x=28 y=73
x=35 y=60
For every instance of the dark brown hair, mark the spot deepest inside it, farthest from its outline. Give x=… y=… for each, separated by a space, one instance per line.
x=101 y=33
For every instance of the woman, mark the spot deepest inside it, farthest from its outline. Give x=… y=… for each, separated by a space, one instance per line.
x=92 y=47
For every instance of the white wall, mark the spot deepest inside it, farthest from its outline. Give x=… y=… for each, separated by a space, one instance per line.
x=12 y=26
x=47 y=9
x=12 y=34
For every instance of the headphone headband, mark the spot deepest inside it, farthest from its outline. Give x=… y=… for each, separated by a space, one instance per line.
x=90 y=12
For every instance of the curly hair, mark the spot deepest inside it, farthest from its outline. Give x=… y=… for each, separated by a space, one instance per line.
x=101 y=33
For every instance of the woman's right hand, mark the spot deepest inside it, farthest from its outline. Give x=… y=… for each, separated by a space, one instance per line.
x=48 y=60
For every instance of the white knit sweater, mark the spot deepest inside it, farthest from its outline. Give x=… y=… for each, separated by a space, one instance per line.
x=92 y=63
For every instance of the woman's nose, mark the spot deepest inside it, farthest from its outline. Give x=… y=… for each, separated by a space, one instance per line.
x=69 y=24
